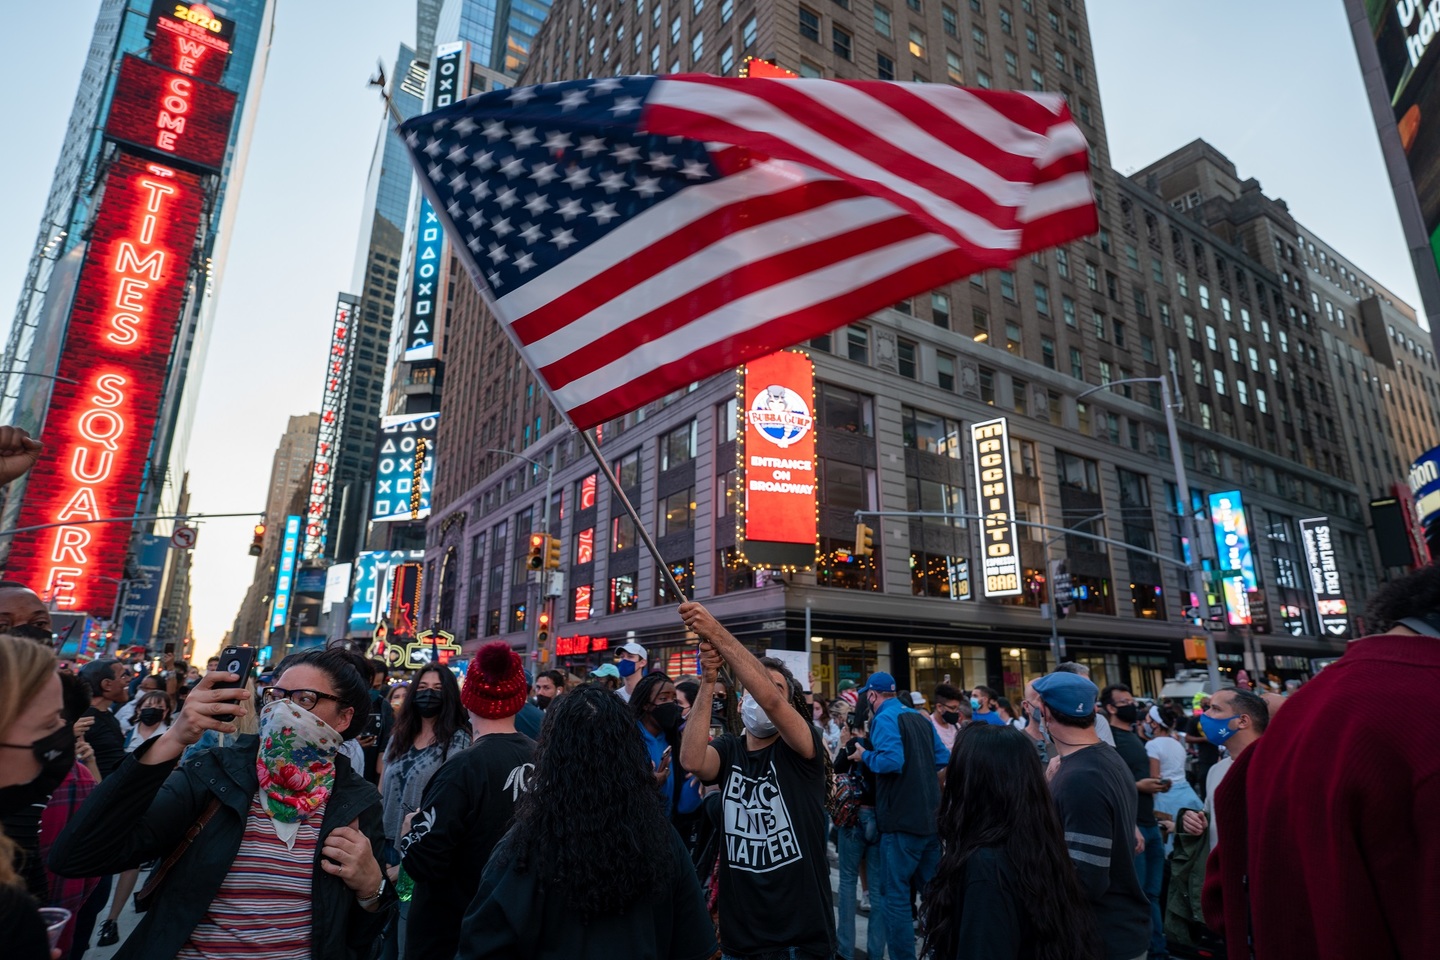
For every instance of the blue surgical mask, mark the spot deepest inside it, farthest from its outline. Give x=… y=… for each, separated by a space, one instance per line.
x=974 y=703
x=1217 y=731
x=626 y=667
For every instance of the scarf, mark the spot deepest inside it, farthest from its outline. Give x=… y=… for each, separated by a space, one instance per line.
x=296 y=765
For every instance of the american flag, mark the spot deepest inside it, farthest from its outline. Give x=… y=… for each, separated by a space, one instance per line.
x=636 y=234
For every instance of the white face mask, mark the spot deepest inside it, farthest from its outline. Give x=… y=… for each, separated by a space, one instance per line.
x=757 y=724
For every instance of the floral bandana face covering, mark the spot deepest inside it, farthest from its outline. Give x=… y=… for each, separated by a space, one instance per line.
x=296 y=765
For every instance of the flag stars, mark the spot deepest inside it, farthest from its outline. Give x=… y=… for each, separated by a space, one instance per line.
x=695 y=170
x=578 y=177
x=465 y=126
x=485 y=160
x=524 y=137
x=647 y=187
x=607 y=84
x=589 y=146
x=495 y=130
x=457 y=154
x=435 y=173
x=563 y=238
x=498 y=254
x=494 y=278
x=513 y=168
x=521 y=95
x=536 y=203
x=501 y=227
x=624 y=105
x=544 y=173
x=661 y=161
x=613 y=182
x=603 y=213
x=530 y=232
x=573 y=99
x=459 y=182
x=525 y=262
x=476 y=218
x=571 y=209
x=558 y=140
x=507 y=198
x=480 y=191
x=626 y=153
x=433 y=148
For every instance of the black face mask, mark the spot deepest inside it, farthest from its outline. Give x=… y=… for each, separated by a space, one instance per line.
x=428 y=703
x=542 y=701
x=56 y=753
x=717 y=707
x=951 y=717
x=31 y=631
x=667 y=715
x=151 y=716
x=1127 y=714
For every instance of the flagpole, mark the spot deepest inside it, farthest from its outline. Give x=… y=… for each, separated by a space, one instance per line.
x=670 y=580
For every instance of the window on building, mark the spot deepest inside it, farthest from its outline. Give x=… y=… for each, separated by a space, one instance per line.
x=1020 y=393
x=749 y=32
x=676 y=512
x=1067 y=310
x=1098 y=320
x=1012 y=337
x=678 y=446
x=907 y=358
x=627 y=470
x=1077 y=364
x=1042 y=299
x=1211 y=340
x=857 y=344
x=953 y=70
x=1047 y=352
x=727 y=58
x=840 y=42
x=884 y=67
x=809 y=69
x=1032 y=41
x=1007 y=285
x=1007 y=23
x=882 y=20
x=981 y=321
x=727 y=10
x=622 y=533
x=675 y=30
x=930 y=433
x=982 y=80
x=977 y=36
x=1220 y=382
x=697 y=46
x=917 y=42
x=622 y=593
x=809 y=24
x=987 y=385
x=1205 y=296
x=949 y=21
x=945 y=371
x=940 y=309
x=1092 y=276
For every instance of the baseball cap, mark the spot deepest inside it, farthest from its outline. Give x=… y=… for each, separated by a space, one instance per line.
x=917 y=698
x=847 y=685
x=880 y=682
x=606 y=670
x=1068 y=693
x=634 y=648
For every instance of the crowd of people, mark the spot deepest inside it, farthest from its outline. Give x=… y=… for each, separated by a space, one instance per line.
x=322 y=810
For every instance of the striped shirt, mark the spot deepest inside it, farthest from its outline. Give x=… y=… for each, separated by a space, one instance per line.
x=262 y=910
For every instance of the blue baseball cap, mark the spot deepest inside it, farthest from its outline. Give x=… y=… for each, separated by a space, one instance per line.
x=606 y=670
x=1068 y=693
x=880 y=682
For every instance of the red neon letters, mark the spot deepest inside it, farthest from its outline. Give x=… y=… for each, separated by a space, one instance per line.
x=99 y=429
x=177 y=117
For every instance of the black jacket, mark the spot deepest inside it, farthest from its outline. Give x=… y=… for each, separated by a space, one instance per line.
x=142 y=813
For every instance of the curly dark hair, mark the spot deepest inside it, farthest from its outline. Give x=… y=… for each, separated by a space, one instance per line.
x=409 y=723
x=1021 y=822
x=1414 y=595
x=590 y=757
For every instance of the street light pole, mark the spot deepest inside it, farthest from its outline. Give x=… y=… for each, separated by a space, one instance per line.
x=533 y=616
x=1057 y=648
x=1187 y=509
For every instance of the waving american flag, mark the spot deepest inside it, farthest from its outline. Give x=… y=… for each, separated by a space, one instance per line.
x=635 y=234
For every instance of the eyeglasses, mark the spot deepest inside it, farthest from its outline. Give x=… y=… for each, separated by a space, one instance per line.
x=304 y=699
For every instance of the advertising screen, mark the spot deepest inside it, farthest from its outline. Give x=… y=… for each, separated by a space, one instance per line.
x=99 y=427
x=372 y=578
x=142 y=597
x=189 y=37
x=777 y=523
x=405 y=469
x=403 y=614
x=337 y=585
x=995 y=494
x=1237 y=562
x=174 y=117
x=285 y=574
x=1330 y=602
x=332 y=421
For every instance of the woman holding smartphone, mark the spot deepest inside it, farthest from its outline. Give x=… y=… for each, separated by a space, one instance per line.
x=286 y=857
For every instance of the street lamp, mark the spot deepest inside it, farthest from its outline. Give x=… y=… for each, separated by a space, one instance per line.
x=1187 y=509
x=530 y=641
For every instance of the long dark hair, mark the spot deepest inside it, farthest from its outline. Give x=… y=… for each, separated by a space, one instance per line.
x=797 y=702
x=452 y=716
x=1022 y=822
x=345 y=673
x=591 y=758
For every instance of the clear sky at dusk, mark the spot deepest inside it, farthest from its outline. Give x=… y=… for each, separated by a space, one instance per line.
x=1275 y=86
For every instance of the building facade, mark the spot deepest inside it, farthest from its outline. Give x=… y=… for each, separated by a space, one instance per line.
x=1195 y=276
x=133 y=46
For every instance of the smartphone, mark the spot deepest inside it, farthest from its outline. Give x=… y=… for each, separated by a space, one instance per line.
x=239 y=661
x=169 y=649
x=374 y=724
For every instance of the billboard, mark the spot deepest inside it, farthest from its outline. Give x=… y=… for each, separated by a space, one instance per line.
x=403 y=612
x=285 y=573
x=1330 y=602
x=777 y=525
x=405 y=468
x=1425 y=486
x=142 y=597
x=332 y=422
x=995 y=495
x=99 y=428
x=372 y=579
x=189 y=37
x=1237 y=560
x=337 y=585
x=176 y=118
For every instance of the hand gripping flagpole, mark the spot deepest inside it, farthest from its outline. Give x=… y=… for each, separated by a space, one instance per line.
x=645 y=537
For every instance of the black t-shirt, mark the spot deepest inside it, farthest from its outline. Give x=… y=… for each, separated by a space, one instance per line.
x=1095 y=795
x=21 y=929
x=108 y=740
x=1207 y=753
x=466 y=809
x=514 y=915
x=1132 y=751
x=774 y=877
x=992 y=919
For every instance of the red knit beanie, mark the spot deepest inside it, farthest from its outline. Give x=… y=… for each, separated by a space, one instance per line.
x=495 y=685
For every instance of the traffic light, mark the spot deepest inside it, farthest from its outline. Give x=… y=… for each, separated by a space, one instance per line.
x=537 y=551
x=258 y=544
x=864 y=540
x=552 y=553
x=542 y=627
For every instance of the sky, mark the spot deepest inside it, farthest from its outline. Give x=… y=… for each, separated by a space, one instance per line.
x=1275 y=86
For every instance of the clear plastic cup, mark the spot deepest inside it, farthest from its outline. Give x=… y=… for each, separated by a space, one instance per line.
x=54 y=919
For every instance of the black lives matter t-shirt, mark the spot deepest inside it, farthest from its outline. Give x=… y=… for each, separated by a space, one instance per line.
x=774 y=878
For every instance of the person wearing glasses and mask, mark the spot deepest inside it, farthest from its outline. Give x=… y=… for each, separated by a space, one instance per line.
x=287 y=835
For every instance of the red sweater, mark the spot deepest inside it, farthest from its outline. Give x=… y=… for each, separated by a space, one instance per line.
x=1334 y=816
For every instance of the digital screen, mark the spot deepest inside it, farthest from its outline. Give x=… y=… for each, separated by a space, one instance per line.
x=189 y=37
x=174 y=117
x=1232 y=544
x=995 y=494
x=117 y=348
x=403 y=614
x=778 y=455
x=337 y=585
x=372 y=578
x=425 y=280
x=332 y=422
x=402 y=440
x=285 y=573
x=1330 y=603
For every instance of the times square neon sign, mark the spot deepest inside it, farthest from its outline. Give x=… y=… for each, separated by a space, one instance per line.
x=99 y=429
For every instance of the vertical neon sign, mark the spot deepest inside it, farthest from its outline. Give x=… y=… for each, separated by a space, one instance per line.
x=332 y=421
x=285 y=575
